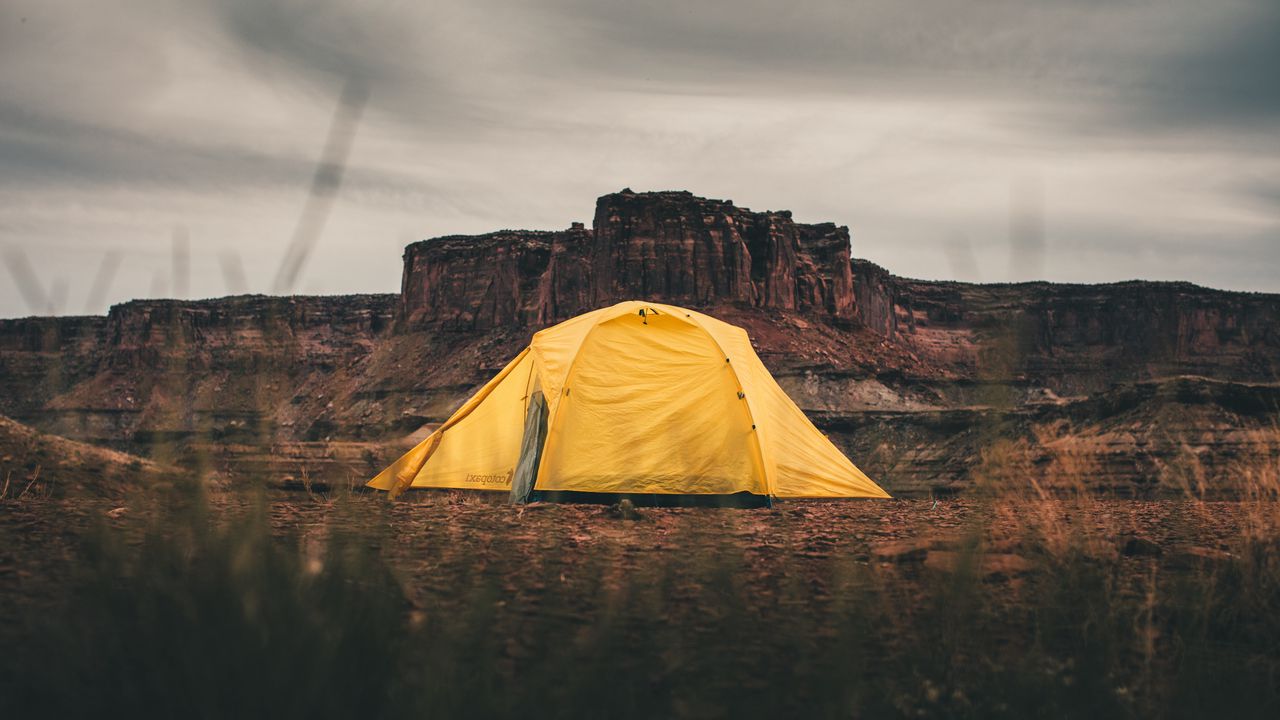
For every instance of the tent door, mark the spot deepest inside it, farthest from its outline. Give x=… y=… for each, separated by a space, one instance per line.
x=535 y=435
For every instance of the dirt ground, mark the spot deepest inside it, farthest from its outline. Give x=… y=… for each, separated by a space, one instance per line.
x=913 y=607
x=434 y=540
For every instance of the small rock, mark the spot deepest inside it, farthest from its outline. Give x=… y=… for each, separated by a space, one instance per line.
x=901 y=552
x=1004 y=565
x=625 y=510
x=944 y=560
x=1198 y=557
x=117 y=512
x=1138 y=546
x=991 y=565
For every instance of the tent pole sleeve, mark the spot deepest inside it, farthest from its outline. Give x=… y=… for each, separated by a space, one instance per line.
x=553 y=406
x=769 y=480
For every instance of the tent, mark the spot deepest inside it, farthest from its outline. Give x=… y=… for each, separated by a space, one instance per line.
x=637 y=399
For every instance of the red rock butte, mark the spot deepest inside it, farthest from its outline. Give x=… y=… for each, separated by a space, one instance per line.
x=1140 y=387
x=663 y=246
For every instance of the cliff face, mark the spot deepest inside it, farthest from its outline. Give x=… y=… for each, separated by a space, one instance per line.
x=275 y=329
x=43 y=357
x=710 y=254
x=474 y=283
x=925 y=384
x=1076 y=338
x=158 y=370
x=668 y=246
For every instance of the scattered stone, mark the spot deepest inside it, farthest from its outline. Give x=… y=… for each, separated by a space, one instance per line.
x=901 y=552
x=1139 y=546
x=1195 y=556
x=990 y=565
x=1004 y=565
x=625 y=510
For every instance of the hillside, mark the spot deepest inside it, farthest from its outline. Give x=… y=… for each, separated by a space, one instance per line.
x=32 y=462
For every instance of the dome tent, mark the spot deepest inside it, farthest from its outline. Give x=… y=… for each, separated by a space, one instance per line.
x=638 y=399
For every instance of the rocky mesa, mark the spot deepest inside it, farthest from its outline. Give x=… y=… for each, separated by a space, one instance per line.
x=1137 y=387
x=667 y=246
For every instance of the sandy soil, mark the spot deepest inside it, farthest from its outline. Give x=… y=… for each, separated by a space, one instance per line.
x=444 y=546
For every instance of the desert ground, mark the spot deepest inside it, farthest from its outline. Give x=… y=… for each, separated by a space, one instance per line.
x=328 y=603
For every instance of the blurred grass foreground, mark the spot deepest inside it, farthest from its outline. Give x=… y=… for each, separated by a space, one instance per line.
x=182 y=610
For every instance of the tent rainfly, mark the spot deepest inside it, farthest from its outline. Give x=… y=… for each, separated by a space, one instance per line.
x=637 y=399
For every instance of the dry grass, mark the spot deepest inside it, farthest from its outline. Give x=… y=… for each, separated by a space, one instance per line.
x=187 y=611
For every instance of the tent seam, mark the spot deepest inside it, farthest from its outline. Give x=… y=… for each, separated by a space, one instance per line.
x=552 y=418
x=751 y=413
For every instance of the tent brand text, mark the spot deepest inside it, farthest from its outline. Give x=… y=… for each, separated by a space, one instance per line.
x=496 y=479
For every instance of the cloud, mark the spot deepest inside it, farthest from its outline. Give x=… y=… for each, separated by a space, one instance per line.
x=1148 y=125
x=1226 y=74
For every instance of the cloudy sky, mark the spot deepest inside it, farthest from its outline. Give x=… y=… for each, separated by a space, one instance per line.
x=990 y=140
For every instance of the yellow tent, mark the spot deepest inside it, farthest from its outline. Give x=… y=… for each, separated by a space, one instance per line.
x=638 y=398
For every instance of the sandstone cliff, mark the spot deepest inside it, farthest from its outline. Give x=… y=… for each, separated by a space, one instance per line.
x=930 y=386
x=159 y=371
x=1075 y=338
x=665 y=246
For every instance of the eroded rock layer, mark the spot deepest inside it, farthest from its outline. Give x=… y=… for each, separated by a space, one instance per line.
x=668 y=246
x=1132 y=387
x=1076 y=338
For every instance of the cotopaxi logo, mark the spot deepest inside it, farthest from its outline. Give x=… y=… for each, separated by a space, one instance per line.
x=495 y=479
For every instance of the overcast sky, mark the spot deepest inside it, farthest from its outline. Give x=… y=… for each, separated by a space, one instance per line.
x=1083 y=140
